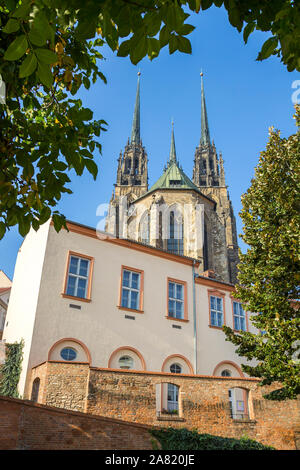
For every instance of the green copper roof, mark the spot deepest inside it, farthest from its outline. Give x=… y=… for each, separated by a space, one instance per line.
x=173 y=176
x=205 y=137
x=135 y=130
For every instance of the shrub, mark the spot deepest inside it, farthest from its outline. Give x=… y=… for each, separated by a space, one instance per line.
x=184 y=439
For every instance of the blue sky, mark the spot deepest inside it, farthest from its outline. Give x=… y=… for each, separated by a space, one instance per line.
x=244 y=98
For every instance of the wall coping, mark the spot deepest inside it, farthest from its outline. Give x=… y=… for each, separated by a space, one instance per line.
x=81 y=414
x=170 y=374
x=150 y=372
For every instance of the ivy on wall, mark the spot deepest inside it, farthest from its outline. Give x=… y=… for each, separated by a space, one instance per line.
x=11 y=369
x=184 y=439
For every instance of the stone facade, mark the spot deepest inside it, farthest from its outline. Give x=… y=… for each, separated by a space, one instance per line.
x=203 y=401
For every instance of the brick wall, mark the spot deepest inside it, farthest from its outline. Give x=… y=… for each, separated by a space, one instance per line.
x=204 y=403
x=25 y=425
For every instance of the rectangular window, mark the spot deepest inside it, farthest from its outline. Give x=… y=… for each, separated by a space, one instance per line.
x=176 y=300
x=78 y=276
x=239 y=317
x=131 y=287
x=216 y=311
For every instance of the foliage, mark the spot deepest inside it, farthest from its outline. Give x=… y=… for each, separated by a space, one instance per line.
x=49 y=49
x=10 y=371
x=269 y=271
x=184 y=439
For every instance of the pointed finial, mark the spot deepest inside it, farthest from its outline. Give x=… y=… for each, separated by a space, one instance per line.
x=172 y=149
x=205 y=138
x=135 y=131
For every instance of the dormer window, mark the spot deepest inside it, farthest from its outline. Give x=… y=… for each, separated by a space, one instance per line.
x=175 y=183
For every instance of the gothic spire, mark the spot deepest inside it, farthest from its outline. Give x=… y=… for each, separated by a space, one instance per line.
x=172 y=149
x=205 y=138
x=135 y=131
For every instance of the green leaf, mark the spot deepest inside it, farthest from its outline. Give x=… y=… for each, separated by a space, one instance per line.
x=42 y=27
x=45 y=75
x=17 y=48
x=249 y=28
x=24 y=226
x=173 y=43
x=2 y=229
x=184 y=45
x=22 y=11
x=36 y=37
x=46 y=56
x=11 y=26
x=268 y=48
x=153 y=48
x=28 y=66
x=124 y=49
x=92 y=167
x=138 y=51
x=186 y=29
x=164 y=36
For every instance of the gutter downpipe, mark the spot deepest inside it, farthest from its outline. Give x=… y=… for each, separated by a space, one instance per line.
x=195 y=320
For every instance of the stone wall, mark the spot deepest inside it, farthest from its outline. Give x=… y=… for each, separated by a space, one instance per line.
x=203 y=401
x=2 y=352
x=29 y=426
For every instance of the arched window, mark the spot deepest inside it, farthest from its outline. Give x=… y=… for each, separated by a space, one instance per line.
x=68 y=354
x=175 y=240
x=126 y=362
x=226 y=373
x=35 y=390
x=175 y=369
x=145 y=228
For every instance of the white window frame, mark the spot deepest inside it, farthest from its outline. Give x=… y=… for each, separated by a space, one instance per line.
x=131 y=289
x=78 y=276
x=216 y=311
x=176 y=300
x=239 y=316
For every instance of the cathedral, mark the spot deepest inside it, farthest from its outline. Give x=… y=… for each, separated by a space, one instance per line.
x=167 y=215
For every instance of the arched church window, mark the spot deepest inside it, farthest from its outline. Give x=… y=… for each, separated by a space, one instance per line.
x=175 y=240
x=35 y=390
x=145 y=228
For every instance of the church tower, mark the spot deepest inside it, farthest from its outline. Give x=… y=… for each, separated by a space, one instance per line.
x=132 y=172
x=209 y=177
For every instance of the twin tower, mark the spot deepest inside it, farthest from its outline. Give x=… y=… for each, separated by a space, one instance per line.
x=169 y=214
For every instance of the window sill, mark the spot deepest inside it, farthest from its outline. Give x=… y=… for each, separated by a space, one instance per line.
x=244 y=421
x=66 y=296
x=177 y=319
x=170 y=418
x=240 y=331
x=216 y=327
x=129 y=309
